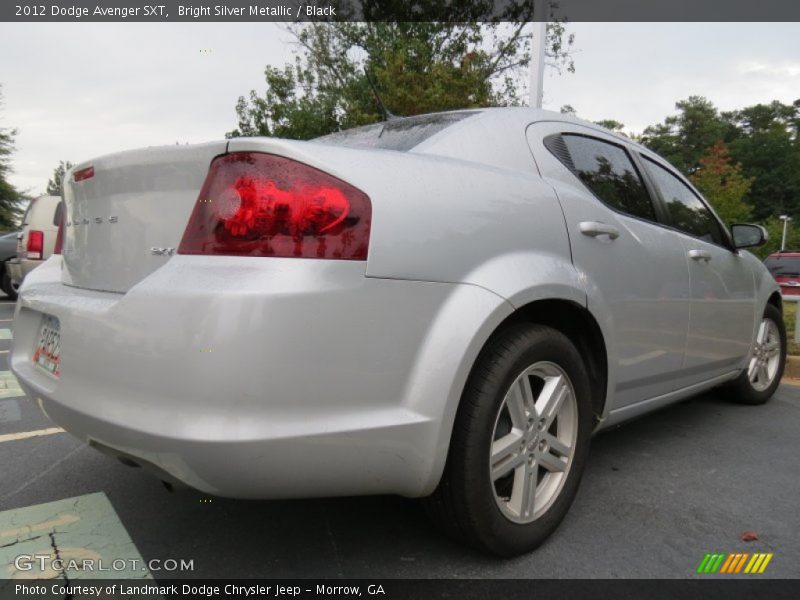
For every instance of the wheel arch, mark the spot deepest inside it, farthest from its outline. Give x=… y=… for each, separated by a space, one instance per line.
x=581 y=328
x=776 y=300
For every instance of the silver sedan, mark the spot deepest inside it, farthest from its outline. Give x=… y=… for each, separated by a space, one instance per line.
x=444 y=306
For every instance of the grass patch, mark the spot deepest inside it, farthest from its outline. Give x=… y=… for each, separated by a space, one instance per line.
x=789 y=318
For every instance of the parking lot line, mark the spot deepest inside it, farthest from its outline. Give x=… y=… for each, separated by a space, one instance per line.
x=24 y=435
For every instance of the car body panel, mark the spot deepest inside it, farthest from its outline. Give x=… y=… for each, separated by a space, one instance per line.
x=334 y=374
x=637 y=284
x=143 y=197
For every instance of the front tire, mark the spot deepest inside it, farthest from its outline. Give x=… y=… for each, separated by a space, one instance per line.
x=519 y=445
x=761 y=378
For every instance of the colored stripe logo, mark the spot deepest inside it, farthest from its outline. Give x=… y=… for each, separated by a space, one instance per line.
x=734 y=563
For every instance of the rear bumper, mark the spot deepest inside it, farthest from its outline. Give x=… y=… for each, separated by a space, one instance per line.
x=261 y=378
x=18 y=269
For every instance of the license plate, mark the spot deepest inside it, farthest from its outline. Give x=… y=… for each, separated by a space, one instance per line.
x=47 y=354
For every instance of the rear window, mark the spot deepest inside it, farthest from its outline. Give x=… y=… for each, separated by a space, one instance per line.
x=401 y=134
x=27 y=213
x=787 y=266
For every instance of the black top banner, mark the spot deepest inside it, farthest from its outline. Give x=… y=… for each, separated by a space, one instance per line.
x=456 y=11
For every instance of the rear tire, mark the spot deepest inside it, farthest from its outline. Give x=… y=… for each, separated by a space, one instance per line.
x=5 y=284
x=758 y=382
x=519 y=445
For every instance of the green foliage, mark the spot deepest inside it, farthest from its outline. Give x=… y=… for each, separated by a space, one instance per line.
x=10 y=198
x=611 y=124
x=764 y=147
x=55 y=184
x=684 y=138
x=415 y=67
x=774 y=227
x=768 y=147
x=723 y=184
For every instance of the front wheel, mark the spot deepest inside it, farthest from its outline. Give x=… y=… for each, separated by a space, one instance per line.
x=759 y=381
x=519 y=443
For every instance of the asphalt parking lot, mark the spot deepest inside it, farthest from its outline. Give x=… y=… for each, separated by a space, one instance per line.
x=658 y=495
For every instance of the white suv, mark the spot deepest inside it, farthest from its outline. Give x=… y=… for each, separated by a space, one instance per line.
x=37 y=240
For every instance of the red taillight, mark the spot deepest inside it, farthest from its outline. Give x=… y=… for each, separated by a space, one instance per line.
x=35 y=244
x=255 y=204
x=86 y=173
x=59 y=237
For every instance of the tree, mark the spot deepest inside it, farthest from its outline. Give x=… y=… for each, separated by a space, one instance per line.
x=723 y=184
x=10 y=198
x=413 y=66
x=54 y=185
x=769 y=150
x=684 y=138
x=774 y=227
x=763 y=139
x=611 y=124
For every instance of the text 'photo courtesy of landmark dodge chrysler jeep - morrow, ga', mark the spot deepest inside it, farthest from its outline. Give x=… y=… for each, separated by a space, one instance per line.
x=444 y=306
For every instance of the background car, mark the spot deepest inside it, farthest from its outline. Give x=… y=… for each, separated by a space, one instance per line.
x=443 y=306
x=785 y=268
x=39 y=232
x=8 y=250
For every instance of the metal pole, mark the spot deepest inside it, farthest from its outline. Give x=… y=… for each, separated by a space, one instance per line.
x=786 y=220
x=540 y=14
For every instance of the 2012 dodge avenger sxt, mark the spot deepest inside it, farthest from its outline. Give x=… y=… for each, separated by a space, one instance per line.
x=444 y=306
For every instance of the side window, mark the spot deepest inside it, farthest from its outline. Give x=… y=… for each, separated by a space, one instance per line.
x=686 y=211
x=58 y=214
x=607 y=170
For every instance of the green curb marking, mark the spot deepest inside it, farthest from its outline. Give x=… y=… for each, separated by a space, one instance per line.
x=5 y=334
x=74 y=530
x=9 y=386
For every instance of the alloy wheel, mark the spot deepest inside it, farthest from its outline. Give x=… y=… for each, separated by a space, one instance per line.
x=533 y=442
x=766 y=356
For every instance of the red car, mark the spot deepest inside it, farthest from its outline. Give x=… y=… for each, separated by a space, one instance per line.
x=785 y=268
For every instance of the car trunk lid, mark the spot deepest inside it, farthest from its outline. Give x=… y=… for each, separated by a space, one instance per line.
x=126 y=216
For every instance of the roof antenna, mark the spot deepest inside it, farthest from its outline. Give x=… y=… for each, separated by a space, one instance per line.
x=387 y=116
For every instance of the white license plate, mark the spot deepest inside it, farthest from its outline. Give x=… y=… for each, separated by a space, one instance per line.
x=47 y=353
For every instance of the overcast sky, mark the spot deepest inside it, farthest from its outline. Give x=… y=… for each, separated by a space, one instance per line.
x=78 y=90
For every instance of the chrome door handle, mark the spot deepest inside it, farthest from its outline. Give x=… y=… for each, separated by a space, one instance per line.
x=595 y=228
x=699 y=255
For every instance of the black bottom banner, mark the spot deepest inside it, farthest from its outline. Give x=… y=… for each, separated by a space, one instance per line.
x=402 y=589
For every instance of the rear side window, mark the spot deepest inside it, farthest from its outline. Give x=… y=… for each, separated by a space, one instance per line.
x=686 y=211
x=607 y=170
x=58 y=214
x=783 y=266
x=398 y=134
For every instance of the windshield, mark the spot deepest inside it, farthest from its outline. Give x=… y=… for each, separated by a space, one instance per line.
x=787 y=266
x=401 y=134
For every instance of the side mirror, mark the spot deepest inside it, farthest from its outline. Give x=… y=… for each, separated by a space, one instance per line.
x=748 y=236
